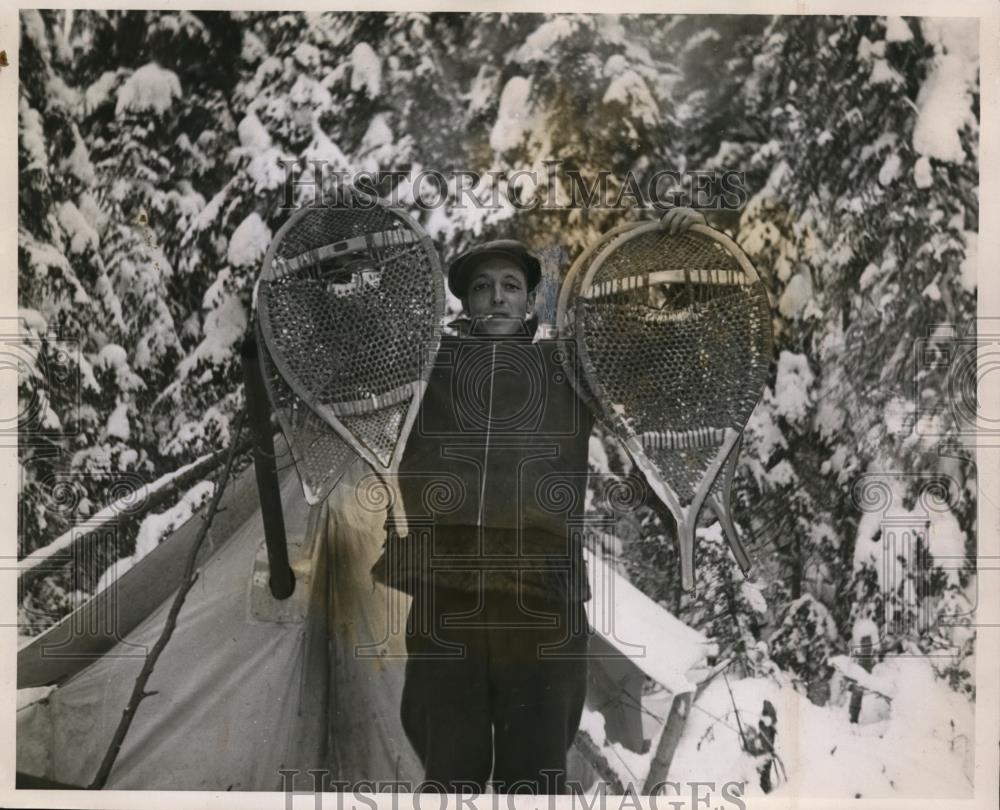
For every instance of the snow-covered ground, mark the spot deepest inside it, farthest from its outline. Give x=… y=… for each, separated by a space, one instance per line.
x=918 y=745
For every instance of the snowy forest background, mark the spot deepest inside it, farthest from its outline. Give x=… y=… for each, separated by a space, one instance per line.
x=150 y=188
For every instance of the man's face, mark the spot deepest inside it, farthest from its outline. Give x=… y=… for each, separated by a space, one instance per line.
x=497 y=299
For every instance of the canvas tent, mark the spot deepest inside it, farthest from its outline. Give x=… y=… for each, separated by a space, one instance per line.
x=249 y=685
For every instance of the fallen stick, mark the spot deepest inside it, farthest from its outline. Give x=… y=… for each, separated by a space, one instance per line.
x=190 y=576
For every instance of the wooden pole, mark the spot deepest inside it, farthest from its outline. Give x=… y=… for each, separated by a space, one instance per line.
x=669 y=740
x=282 y=578
x=867 y=663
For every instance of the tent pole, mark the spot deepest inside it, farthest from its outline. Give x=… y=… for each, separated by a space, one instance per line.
x=282 y=579
x=680 y=707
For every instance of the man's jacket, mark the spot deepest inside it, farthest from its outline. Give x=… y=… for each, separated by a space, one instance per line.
x=494 y=475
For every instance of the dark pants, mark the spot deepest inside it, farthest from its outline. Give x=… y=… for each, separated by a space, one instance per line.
x=494 y=683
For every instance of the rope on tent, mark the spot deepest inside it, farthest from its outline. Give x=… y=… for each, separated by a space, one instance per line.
x=190 y=576
x=739 y=724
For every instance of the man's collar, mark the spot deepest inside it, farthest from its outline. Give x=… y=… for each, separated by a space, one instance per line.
x=529 y=331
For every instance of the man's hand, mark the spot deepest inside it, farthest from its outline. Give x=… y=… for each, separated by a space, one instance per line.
x=677 y=220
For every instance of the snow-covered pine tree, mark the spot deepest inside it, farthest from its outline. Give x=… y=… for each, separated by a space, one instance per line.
x=866 y=224
x=106 y=153
x=59 y=304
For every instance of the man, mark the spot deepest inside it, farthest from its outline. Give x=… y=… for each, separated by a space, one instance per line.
x=493 y=482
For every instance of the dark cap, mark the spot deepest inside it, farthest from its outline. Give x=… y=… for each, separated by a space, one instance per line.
x=463 y=264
